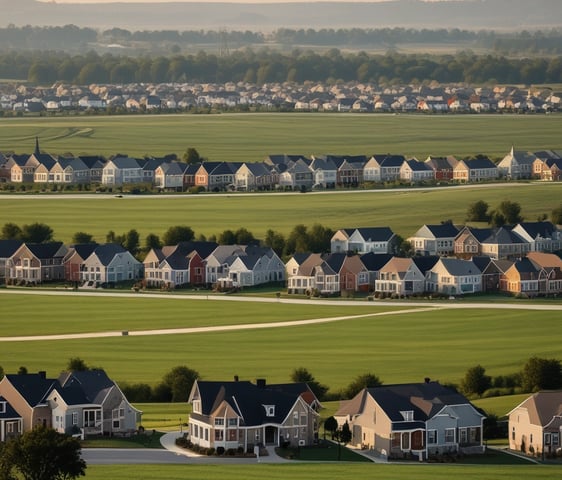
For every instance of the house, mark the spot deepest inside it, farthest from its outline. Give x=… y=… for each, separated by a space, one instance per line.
x=216 y=176
x=354 y=276
x=7 y=249
x=521 y=278
x=363 y=240
x=22 y=168
x=417 y=421
x=69 y=171
x=549 y=169
x=414 y=172
x=400 y=276
x=372 y=170
x=373 y=262
x=469 y=240
x=85 y=402
x=442 y=166
x=91 y=403
x=541 y=236
x=168 y=176
x=453 y=276
x=324 y=172
x=299 y=272
x=122 y=170
x=550 y=275
x=240 y=414
x=492 y=271
x=11 y=423
x=110 y=263
x=95 y=164
x=503 y=243
x=255 y=176
x=517 y=165
x=390 y=167
x=216 y=264
x=535 y=425
x=313 y=275
x=45 y=164
x=35 y=263
x=475 y=170
x=434 y=239
x=296 y=176
x=75 y=258
x=252 y=266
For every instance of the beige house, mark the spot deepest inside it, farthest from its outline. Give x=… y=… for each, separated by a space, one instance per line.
x=240 y=414
x=535 y=425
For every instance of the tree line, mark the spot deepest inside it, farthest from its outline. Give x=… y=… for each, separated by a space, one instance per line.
x=267 y=65
x=74 y=38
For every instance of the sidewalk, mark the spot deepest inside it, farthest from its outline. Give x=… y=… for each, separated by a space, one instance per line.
x=168 y=441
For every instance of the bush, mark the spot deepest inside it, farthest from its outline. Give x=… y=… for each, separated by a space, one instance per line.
x=220 y=450
x=231 y=452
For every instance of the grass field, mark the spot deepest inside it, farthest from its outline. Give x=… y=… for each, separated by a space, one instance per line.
x=250 y=137
x=400 y=348
x=403 y=211
x=333 y=471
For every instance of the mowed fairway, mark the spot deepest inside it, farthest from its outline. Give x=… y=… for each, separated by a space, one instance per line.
x=404 y=211
x=405 y=347
x=250 y=137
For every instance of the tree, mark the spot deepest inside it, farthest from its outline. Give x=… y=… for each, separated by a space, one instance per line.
x=331 y=425
x=244 y=236
x=42 y=454
x=76 y=364
x=478 y=212
x=227 y=237
x=82 y=237
x=152 y=241
x=178 y=382
x=511 y=212
x=497 y=219
x=541 y=374
x=475 y=381
x=556 y=215
x=302 y=375
x=1 y=372
x=275 y=240
x=366 y=380
x=11 y=231
x=22 y=370
x=191 y=156
x=345 y=434
x=177 y=234
x=132 y=241
x=36 y=233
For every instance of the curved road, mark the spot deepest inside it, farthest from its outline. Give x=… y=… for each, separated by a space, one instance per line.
x=406 y=305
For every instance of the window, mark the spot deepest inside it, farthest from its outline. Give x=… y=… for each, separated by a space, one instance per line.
x=92 y=418
x=408 y=415
x=219 y=435
x=449 y=435
x=2 y=407
x=219 y=421
x=513 y=433
x=74 y=418
x=406 y=441
x=232 y=422
x=196 y=406
x=555 y=439
x=269 y=410
x=431 y=437
x=463 y=436
x=546 y=439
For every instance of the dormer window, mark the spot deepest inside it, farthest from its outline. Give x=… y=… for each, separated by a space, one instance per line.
x=269 y=410
x=196 y=406
x=408 y=415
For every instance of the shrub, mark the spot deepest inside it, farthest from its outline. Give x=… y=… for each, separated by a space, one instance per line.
x=210 y=451
x=220 y=450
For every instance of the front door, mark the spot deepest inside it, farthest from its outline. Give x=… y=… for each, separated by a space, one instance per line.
x=270 y=435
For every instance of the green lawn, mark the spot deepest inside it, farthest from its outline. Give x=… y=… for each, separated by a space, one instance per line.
x=405 y=212
x=331 y=471
x=406 y=347
x=500 y=406
x=164 y=417
x=250 y=137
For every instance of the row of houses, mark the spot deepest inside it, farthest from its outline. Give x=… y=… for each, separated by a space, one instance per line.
x=311 y=96
x=80 y=403
x=276 y=171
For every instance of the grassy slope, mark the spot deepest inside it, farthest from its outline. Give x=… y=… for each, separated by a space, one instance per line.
x=250 y=137
x=404 y=212
x=399 y=348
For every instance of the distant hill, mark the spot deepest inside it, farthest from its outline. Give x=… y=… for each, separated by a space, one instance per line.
x=466 y=14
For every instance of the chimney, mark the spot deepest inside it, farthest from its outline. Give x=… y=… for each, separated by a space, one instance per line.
x=236 y=378
x=42 y=374
x=427 y=379
x=260 y=382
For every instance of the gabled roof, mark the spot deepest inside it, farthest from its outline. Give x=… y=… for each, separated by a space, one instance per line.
x=442 y=163
x=480 y=234
x=525 y=266
x=418 y=166
x=203 y=248
x=44 y=250
x=443 y=230
x=538 y=229
x=84 y=250
x=126 y=163
x=375 y=234
x=106 y=253
x=94 y=383
x=335 y=260
x=426 y=262
x=375 y=261
x=248 y=400
x=33 y=387
x=542 y=407
x=503 y=236
x=9 y=247
x=93 y=161
x=9 y=411
x=458 y=267
x=177 y=261
x=479 y=163
x=392 y=161
x=74 y=163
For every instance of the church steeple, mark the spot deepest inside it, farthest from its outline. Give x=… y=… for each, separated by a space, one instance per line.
x=37 y=151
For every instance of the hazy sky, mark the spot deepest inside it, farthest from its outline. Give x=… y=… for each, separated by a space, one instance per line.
x=204 y=1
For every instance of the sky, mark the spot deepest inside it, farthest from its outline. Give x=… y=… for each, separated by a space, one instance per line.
x=204 y=1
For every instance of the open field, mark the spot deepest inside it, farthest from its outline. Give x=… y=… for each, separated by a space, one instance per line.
x=404 y=347
x=404 y=211
x=250 y=137
x=500 y=406
x=332 y=471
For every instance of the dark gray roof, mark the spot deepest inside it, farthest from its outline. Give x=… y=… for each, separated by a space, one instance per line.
x=335 y=260
x=373 y=262
x=375 y=234
x=44 y=250
x=33 y=387
x=94 y=383
x=392 y=161
x=479 y=163
x=425 y=263
x=126 y=162
x=9 y=247
x=536 y=229
x=504 y=236
x=84 y=250
x=9 y=411
x=443 y=230
x=106 y=253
